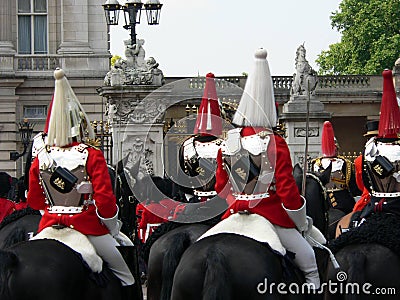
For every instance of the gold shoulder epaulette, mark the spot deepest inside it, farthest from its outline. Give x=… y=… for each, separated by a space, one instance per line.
x=94 y=143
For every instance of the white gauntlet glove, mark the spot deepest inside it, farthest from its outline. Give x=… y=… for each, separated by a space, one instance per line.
x=299 y=217
x=113 y=224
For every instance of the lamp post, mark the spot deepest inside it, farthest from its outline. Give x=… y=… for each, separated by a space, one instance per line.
x=132 y=11
x=25 y=129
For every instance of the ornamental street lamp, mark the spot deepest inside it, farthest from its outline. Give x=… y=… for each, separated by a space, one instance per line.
x=132 y=11
x=25 y=130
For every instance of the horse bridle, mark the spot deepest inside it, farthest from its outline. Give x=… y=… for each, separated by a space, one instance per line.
x=322 y=186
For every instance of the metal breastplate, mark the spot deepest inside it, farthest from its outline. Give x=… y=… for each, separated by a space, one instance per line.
x=378 y=182
x=200 y=162
x=74 y=159
x=250 y=170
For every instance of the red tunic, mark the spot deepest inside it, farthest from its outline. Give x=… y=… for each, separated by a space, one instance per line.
x=154 y=214
x=286 y=192
x=86 y=222
x=6 y=208
x=365 y=196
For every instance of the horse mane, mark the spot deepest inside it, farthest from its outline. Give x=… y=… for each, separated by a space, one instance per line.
x=157 y=233
x=16 y=236
x=379 y=228
x=17 y=215
x=167 y=227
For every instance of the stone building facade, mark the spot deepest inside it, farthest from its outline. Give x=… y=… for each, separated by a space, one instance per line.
x=36 y=36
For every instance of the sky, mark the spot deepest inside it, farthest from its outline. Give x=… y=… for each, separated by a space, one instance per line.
x=195 y=37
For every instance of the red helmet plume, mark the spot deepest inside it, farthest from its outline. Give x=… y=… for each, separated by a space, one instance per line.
x=209 y=120
x=389 y=121
x=328 y=140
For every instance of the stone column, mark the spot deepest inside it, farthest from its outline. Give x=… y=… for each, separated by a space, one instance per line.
x=294 y=117
x=74 y=27
x=136 y=126
x=8 y=130
x=7 y=50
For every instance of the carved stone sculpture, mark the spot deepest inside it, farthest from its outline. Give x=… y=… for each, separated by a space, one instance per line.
x=305 y=78
x=135 y=69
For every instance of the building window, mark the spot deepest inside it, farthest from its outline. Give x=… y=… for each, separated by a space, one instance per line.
x=32 y=26
x=37 y=112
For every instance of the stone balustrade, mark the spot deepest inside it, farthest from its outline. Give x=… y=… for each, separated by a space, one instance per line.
x=343 y=81
x=284 y=83
x=36 y=63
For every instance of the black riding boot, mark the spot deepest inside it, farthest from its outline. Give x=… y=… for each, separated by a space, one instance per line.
x=130 y=256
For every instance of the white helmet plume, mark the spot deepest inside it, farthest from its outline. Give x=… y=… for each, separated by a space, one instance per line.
x=257 y=105
x=68 y=119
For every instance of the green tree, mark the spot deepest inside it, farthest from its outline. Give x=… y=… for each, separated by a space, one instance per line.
x=114 y=58
x=370 y=39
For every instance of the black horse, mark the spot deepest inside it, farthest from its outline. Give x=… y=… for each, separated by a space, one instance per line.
x=369 y=257
x=47 y=269
x=19 y=226
x=164 y=257
x=166 y=249
x=229 y=266
x=368 y=271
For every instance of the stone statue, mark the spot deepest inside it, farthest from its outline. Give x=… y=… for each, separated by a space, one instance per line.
x=135 y=69
x=305 y=78
x=135 y=54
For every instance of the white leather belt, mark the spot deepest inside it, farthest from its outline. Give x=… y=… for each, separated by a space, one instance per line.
x=204 y=194
x=58 y=209
x=387 y=195
x=251 y=196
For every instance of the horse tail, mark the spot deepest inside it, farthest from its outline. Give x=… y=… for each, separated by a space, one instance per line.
x=356 y=273
x=216 y=279
x=18 y=235
x=8 y=261
x=179 y=243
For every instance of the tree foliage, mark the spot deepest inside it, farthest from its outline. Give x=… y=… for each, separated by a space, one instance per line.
x=114 y=58
x=370 y=39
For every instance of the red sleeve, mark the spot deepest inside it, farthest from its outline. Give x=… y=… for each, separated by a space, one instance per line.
x=102 y=188
x=286 y=187
x=35 y=198
x=358 y=168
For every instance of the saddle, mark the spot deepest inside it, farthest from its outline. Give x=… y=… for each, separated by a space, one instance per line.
x=77 y=242
x=257 y=228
